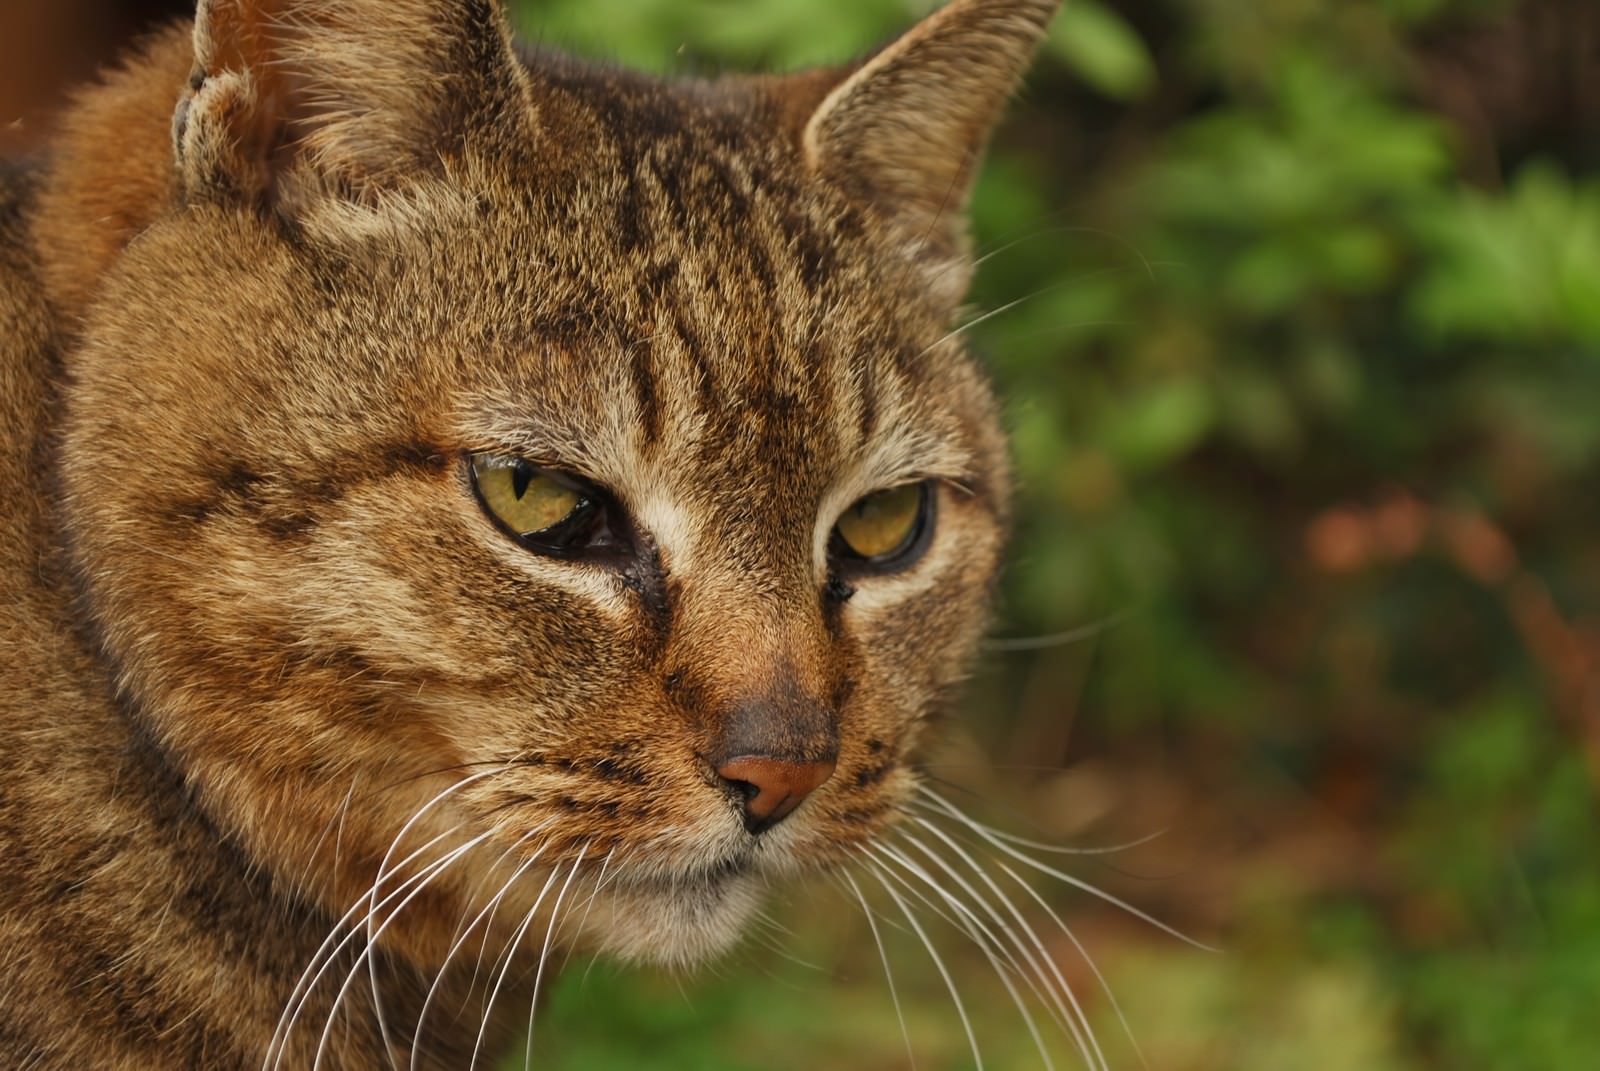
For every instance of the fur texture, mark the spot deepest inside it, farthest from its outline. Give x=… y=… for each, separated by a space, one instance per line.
x=266 y=659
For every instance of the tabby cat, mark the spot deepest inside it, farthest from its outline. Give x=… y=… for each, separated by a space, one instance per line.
x=463 y=504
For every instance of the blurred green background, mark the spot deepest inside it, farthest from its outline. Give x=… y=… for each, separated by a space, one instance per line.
x=1304 y=381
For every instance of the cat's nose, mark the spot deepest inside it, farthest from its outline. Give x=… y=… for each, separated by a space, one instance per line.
x=772 y=788
x=773 y=748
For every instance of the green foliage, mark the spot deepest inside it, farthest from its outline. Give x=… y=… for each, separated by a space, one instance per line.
x=1316 y=420
x=1097 y=43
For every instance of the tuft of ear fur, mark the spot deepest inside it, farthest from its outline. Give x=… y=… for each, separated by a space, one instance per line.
x=291 y=98
x=907 y=128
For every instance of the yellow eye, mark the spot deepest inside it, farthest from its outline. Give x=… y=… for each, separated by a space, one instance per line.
x=522 y=496
x=885 y=525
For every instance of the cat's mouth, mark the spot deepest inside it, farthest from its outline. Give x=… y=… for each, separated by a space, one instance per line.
x=676 y=916
x=696 y=880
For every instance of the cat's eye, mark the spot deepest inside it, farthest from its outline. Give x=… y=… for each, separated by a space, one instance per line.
x=886 y=529
x=545 y=510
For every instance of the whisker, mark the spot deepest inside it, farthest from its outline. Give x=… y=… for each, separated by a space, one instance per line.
x=435 y=771
x=503 y=963
x=335 y=825
x=544 y=953
x=1059 y=849
x=330 y=948
x=464 y=934
x=483 y=943
x=599 y=884
x=773 y=944
x=991 y=838
x=1011 y=838
x=372 y=966
x=987 y=942
x=278 y=1043
x=435 y=869
x=1083 y=954
x=991 y=252
x=880 y=873
x=883 y=956
x=1061 y=639
x=961 y=329
x=1088 y=1044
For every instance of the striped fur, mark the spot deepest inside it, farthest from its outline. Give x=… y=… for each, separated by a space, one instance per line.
x=264 y=657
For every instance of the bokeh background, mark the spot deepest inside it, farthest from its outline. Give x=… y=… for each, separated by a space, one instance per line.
x=1297 y=312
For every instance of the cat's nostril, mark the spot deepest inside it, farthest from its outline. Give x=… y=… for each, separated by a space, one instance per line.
x=772 y=788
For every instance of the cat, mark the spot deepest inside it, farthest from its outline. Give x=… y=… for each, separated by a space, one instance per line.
x=461 y=503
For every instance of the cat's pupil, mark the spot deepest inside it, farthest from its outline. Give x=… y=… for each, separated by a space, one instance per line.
x=521 y=476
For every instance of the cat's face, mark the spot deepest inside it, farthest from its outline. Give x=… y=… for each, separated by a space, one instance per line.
x=516 y=498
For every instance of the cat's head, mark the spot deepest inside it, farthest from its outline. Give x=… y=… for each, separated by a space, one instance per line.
x=551 y=453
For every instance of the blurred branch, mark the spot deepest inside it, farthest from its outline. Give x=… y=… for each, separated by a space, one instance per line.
x=1348 y=538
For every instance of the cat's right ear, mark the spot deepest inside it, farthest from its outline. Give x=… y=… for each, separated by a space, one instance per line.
x=291 y=100
x=905 y=130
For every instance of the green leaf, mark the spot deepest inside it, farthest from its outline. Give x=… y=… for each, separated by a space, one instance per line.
x=1104 y=50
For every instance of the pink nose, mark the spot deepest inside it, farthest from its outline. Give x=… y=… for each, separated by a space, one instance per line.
x=772 y=788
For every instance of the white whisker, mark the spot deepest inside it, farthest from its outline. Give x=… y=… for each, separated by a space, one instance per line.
x=544 y=953
x=883 y=955
x=503 y=963
x=1083 y=953
x=905 y=909
x=1057 y=849
x=433 y=871
x=599 y=883
x=998 y=842
x=991 y=252
x=1060 y=639
x=1075 y=1021
x=465 y=934
x=323 y=957
x=372 y=966
x=987 y=942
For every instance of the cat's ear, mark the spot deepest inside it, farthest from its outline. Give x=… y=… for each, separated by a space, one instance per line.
x=906 y=128
x=290 y=99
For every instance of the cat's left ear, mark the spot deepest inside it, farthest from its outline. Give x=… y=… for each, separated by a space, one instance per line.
x=906 y=129
x=295 y=99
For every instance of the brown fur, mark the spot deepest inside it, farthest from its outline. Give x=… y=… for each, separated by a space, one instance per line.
x=256 y=622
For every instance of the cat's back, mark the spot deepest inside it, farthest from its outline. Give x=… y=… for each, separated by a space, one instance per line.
x=29 y=622
x=40 y=675
x=24 y=335
x=52 y=869
x=98 y=843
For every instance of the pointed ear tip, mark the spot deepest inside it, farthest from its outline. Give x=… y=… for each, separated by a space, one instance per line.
x=967 y=47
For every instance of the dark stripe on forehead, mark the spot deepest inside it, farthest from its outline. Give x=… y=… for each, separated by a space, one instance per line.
x=707 y=395
x=641 y=368
x=867 y=392
x=663 y=305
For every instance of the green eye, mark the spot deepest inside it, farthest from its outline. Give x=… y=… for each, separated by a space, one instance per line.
x=883 y=527
x=525 y=498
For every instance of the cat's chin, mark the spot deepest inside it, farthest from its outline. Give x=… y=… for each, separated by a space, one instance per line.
x=673 y=922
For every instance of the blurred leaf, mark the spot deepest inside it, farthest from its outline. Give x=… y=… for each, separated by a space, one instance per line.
x=1159 y=423
x=1101 y=46
x=1519 y=266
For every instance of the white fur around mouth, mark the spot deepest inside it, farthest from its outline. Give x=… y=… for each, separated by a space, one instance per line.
x=701 y=880
x=675 y=918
